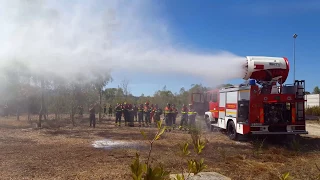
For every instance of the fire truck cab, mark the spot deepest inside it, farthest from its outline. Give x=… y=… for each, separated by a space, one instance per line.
x=263 y=105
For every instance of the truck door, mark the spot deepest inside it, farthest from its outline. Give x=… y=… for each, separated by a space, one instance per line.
x=222 y=110
x=214 y=104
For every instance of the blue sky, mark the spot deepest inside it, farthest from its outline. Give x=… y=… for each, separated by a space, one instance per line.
x=241 y=27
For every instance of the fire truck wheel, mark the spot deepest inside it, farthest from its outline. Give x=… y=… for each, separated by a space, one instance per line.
x=232 y=133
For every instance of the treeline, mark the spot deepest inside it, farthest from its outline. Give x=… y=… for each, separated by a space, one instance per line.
x=28 y=93
x=313 y=111
x=160 y=97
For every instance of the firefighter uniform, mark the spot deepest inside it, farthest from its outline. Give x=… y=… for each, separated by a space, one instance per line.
x=140 y=114
x=110 y=111
x=151 y=113
x=92 y=116
x=184 y=117
x=80 y=108
x=168 y=113
x=118 y=111
x=126 y=114
x=135 y=112
x=192 y=116
x=5 y=111
x=130 y=116
x=157 y=113
x=147 y=113
x=174 y=116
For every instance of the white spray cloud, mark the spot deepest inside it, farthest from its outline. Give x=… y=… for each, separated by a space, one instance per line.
x=67 y=38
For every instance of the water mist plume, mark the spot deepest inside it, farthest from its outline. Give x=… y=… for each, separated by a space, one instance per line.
x=70 y=38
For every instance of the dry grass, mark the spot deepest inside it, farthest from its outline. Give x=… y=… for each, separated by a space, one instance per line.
x=316 y=121
x=60 y=151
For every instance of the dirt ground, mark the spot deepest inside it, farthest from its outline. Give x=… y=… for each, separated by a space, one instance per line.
x=61 y=151
x=314 y=129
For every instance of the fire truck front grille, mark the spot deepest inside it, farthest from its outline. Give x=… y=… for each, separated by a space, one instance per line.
x=276 y=113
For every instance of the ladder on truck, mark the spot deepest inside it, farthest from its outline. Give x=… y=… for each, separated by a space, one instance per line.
x=300 y=92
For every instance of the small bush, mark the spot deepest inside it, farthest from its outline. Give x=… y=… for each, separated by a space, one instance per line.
x=295 y=145
x=314 y=111
x=148 y=171
x=285 y=176
x=258 y=146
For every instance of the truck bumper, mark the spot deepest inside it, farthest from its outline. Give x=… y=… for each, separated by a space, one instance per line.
x=275 y=133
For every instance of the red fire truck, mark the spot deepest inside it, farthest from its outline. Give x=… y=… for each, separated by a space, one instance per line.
x=263 y=105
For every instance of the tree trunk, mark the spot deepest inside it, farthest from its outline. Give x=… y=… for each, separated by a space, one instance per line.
x=29 y=116
x=18 y=114
x=100 y=101
x=41 y=113
x=72 y=116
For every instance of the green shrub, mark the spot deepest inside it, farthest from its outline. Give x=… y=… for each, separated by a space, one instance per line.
x=285 y=176
x=148 y=171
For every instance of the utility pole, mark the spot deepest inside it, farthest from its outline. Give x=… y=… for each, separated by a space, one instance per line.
x=294 y=57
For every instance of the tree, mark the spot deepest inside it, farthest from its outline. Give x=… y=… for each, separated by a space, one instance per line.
x=110 y=94
x=198 y=88
x=42 y=108
x=307 y=92
x=100 y=81
x=125 y=87
x=227 y=85
x=316 y=90
x=183 y=96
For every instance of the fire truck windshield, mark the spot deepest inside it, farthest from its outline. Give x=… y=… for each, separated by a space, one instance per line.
x=197 y=97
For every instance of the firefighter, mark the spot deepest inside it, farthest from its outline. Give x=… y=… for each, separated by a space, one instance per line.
x=140 y=115
x=157 y=113
x=147 y=113
x=168 y=113
x=126 y=114
x=130 y=116
x=151 y=112
x=192 y=116
x=92 y=116
x=135 y=112
x=118 y=111
x=80 y=108
x=110 y=110
x=5 y=111
x=104 y=109
x=184 y=117
x=175 y=114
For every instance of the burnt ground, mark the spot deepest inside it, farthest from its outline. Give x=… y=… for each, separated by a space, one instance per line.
x=61 y=151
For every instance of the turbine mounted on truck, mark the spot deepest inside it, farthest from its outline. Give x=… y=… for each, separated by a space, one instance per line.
x=264 y=105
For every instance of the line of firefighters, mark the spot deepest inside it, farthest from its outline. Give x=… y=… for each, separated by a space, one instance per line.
x=147 y=113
